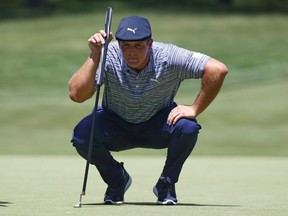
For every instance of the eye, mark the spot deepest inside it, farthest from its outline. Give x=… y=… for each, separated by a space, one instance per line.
x=125 y=46
x=138 y=46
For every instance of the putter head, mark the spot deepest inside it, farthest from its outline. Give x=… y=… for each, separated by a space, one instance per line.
x=78 y=205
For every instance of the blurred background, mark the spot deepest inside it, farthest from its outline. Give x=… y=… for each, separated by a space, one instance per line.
x=43 y=42
x=36 y=8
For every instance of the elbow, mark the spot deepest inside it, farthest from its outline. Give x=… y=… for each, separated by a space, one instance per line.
x=80 y=96
x=73 y=93
x=76 y=95
x=226 y=70
x=216 y=67
x=76 y=98
x=223 y=70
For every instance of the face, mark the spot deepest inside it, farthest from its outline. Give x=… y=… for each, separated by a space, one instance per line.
x=136 y=53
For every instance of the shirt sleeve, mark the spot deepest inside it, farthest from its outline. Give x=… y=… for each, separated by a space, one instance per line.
x=188 y=64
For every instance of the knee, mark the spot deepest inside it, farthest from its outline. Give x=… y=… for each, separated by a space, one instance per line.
x=186 y=127
x=83 y=152
x=96 y=154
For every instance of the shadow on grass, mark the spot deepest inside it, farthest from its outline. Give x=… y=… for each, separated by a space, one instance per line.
x=154 y=204
x=4 y=204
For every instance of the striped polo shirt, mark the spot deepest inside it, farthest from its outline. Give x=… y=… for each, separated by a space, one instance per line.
x=138 y=96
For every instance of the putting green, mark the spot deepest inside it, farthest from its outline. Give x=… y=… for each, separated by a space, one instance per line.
x=50 y=185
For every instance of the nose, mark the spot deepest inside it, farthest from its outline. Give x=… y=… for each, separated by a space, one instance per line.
x=131 y=50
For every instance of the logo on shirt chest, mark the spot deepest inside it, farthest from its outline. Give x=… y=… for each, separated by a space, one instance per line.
x=154 y=80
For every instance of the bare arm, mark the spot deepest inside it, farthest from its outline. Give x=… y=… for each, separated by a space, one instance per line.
x=212 y=80
x=81 y=84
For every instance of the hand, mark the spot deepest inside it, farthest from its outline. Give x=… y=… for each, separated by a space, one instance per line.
x=96 y=41
x=179 y=112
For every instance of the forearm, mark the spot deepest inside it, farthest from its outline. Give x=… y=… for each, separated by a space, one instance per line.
x=212 y=81
x=81 y=84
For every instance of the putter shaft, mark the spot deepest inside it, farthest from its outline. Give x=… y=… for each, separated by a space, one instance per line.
x=97 y=81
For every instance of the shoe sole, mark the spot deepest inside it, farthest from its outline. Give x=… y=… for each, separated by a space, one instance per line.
x=111 y=202
x=165 y=202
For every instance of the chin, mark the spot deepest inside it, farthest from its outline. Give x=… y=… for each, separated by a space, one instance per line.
x=133 y=64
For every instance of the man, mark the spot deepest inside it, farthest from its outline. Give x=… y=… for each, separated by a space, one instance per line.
x=138 y=110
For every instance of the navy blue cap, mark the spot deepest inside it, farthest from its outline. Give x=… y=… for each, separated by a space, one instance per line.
x=133 y=28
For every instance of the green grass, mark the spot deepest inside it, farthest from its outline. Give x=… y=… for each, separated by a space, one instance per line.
x=248 y=118
x=49 y=185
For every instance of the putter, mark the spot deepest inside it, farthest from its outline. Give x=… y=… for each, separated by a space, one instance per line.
x=98 y=85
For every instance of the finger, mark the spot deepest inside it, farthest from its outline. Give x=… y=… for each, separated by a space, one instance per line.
x=98 y=38
x=169 y=121
x=103 y=33
x=176 y=118
x=174 y=111
x=171 y=117
x=92 y=40
x=111 y=36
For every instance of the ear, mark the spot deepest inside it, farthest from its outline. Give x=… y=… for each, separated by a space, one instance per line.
x=150 y=42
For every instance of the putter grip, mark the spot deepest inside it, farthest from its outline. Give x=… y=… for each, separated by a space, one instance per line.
x=104 y=48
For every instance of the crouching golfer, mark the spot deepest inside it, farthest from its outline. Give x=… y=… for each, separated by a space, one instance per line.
x=138 y=110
